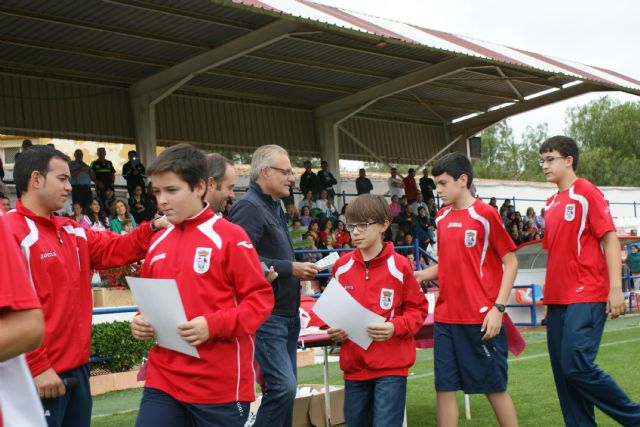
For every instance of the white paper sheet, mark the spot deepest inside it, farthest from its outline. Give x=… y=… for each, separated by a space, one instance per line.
x=160 y=304
x=338 y=309
x=328 y=261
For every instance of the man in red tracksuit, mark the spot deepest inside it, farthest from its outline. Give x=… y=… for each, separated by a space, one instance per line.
x=224 y=294
x=60 y=256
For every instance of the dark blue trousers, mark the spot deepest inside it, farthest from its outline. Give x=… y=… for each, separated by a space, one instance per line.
x=158 y=409
x=276 y=342
x=573 y=338
x=74 y=408
x=378 y=402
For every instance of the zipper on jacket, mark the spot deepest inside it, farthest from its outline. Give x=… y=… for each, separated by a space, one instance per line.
x=59 y=236
x=366 y=273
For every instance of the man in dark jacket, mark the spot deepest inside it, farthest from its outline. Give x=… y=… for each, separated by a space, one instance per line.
x=260 y=213
x=363 y=184
x=309 y=181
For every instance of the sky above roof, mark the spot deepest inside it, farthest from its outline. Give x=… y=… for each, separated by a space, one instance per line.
x=593 y=32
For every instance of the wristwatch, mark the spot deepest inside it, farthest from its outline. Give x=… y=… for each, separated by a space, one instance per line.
x=501 y=307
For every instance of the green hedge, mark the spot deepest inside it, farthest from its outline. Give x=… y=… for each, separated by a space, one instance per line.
x=115 y=340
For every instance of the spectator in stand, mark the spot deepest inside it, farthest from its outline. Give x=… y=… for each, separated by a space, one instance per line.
x=325 y=205
x=363 y=184
x=342 y=216
x=530 y=215
x=410 y=187
x=307 y=201
x=140 y=206
x=427 y=186
x=120 y=212
x=127 y=226
x=633 y=262
x=507 y=204
x=77 y=212
x=95 y=217
x=326 y=180
x=396 y=186
x=419 y=202
x=341 y=235
x=326 y=237
x=516 y=234
x=504 y=214
x=540 y=221
x=309 y=182
x=395 y=207
x=311 y=256
x=530 y=230
x=432 y=209
x=109 y=198
x=493 y=202
x=291 y=215
x=2 y=188
x=133 y=172
x=81 y=177
x=314 y=231
x=6 y=203
x=404 y=221
x=105 y=174
x=26 y=144
x=422 y=228
x=305 y=216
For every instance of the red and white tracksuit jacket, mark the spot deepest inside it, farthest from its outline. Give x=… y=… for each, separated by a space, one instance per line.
x=219 y=277
x=60 y=256
x=387 y=287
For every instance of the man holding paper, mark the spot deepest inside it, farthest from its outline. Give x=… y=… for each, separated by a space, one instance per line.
x=225 y=297
x=260 y=213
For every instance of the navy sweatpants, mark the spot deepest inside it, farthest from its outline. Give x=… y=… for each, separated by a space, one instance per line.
x=573 y=338
x=74 y=408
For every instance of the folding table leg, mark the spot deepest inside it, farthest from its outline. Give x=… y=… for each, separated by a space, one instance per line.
x=327 y=399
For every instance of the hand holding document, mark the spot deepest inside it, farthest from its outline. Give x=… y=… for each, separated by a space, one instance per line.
x=338 y=309
x=160 y=304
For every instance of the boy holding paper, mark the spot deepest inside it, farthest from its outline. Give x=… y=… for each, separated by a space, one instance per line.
x=383 y=282
x=224 y=294
x=470 y=342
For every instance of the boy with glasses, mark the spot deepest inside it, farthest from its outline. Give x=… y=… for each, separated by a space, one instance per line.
x=583 y=282
x=476 y=270
x=382 y=281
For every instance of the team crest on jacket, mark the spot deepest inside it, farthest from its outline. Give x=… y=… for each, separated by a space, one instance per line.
x=202 y=260
x=570 y=212
x=470 y=238
x=386 y=298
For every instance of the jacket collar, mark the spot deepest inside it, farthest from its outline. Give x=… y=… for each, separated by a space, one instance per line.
x=387 y=251
x=264 y=196
x=205 y=214
x=50 y=221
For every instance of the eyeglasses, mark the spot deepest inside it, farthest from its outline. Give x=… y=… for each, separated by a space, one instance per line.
x=550 y=159
x=286 y=172
x=362 y=226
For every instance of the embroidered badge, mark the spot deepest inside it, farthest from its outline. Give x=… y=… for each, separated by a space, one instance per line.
x=470 y=238
x=570 y=212
x=202 y=260
x=386 y=298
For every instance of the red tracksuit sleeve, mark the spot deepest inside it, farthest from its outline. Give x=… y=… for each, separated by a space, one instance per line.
x=414 y=307
x=254 y=294
x=110 y=250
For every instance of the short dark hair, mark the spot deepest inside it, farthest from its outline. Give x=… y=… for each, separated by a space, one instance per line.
x=36 y=158
x=564 y=145
x=454 y=164
x=184 y=160
x=368 y=207
x=132 y=152
x=307 y=162
x=217 y=166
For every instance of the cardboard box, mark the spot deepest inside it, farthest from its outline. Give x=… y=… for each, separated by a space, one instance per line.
x=308 y=411
x=306 y=357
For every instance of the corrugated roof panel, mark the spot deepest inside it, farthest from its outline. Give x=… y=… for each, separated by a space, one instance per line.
x=228 y=125
x=301 y=73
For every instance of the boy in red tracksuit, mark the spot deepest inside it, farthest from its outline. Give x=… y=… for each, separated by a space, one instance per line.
x=383 y=282
x=60 y=257
x=224 y=294
x=476 y=270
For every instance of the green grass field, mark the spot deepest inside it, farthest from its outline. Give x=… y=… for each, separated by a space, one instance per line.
x=530 y=383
